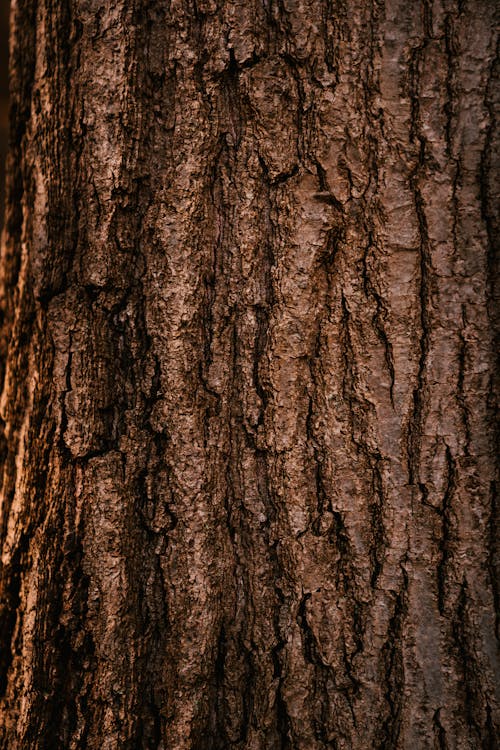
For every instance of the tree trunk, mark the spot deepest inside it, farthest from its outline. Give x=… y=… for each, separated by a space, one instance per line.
x=248 y=469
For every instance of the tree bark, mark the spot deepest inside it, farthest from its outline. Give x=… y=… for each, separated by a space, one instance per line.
x=247 y=353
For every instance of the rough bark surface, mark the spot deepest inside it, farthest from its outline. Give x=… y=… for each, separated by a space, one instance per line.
x=247 y=456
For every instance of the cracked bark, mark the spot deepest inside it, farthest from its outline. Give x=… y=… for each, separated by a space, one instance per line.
x=249 y=493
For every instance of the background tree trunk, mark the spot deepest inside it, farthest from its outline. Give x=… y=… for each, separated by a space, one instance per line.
x=248 y=471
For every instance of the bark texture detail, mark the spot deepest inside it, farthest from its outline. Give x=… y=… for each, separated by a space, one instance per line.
x=248 y=481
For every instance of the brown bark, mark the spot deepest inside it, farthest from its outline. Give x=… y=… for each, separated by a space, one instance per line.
x=248 y=469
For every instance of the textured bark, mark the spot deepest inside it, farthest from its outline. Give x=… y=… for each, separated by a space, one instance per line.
x=4 y=100
x=247 y=454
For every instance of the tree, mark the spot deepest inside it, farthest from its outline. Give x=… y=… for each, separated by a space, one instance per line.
x=248 y=467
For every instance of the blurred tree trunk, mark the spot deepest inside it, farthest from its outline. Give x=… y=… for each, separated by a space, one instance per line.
x=248 y=470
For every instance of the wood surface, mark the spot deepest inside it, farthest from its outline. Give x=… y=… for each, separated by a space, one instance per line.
x=247 y=349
